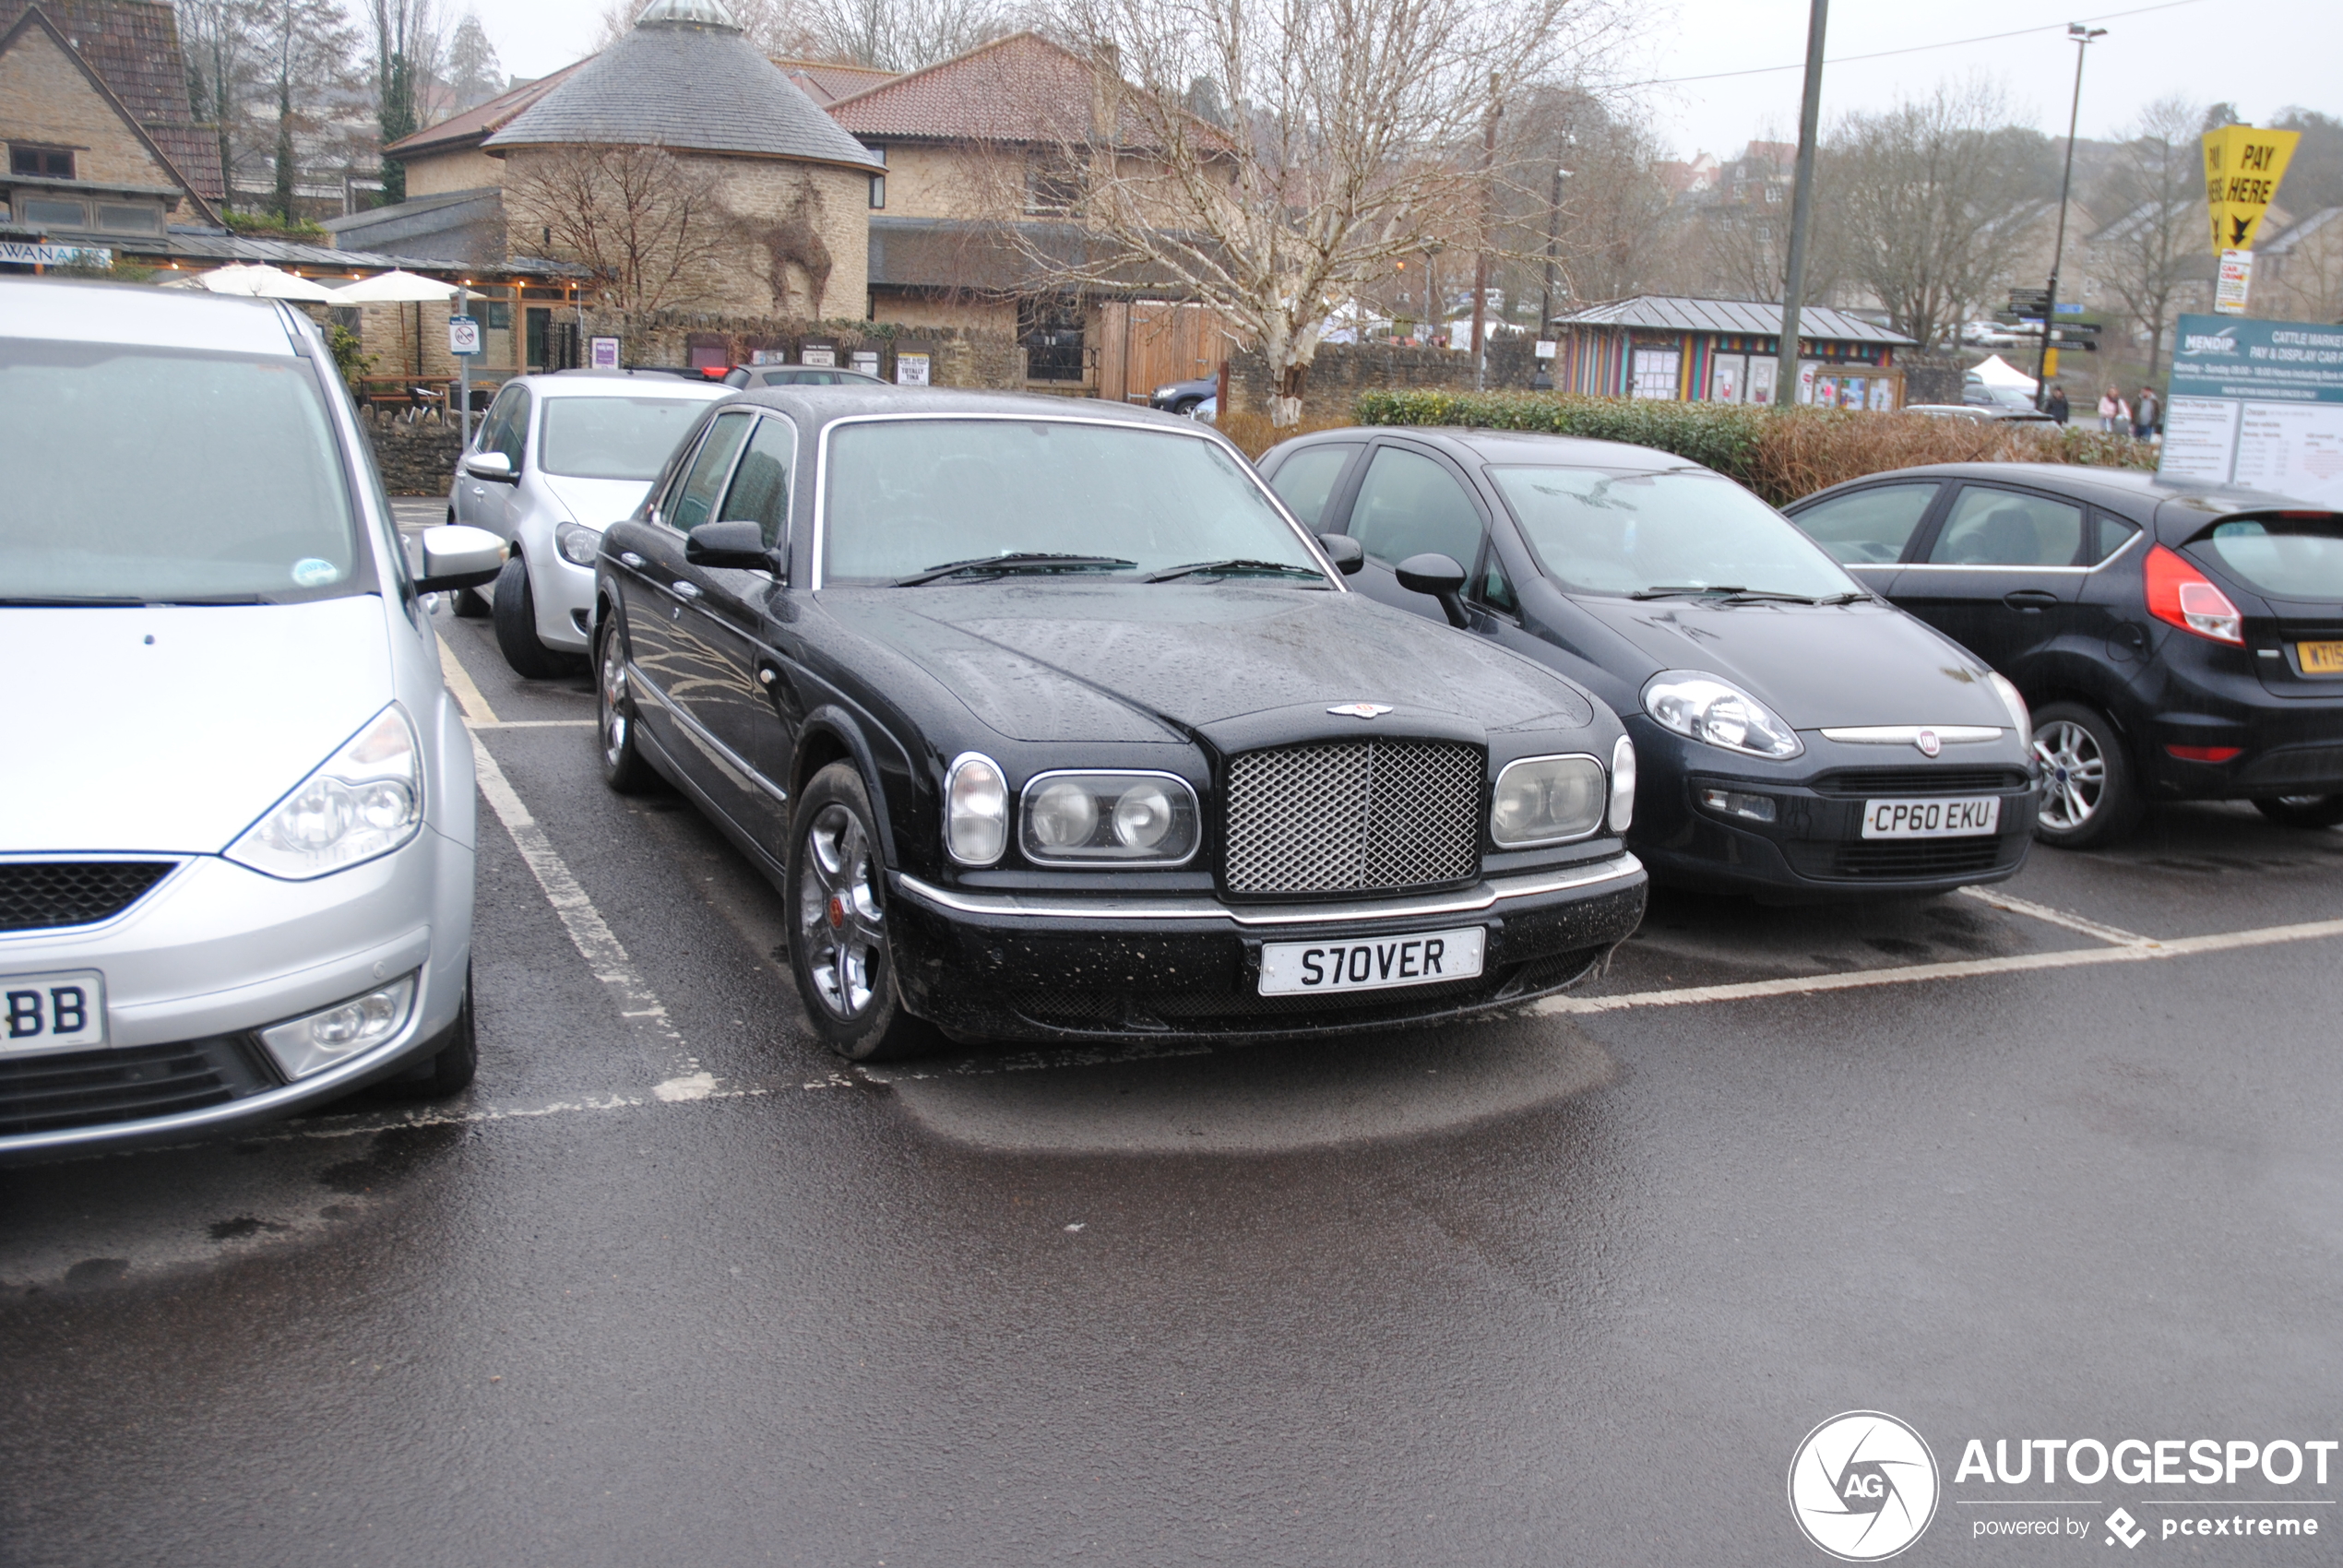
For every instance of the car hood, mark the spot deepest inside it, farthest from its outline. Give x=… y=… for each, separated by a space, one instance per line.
x=597 y=503
x=1140 y=662
x=170 y=729
x=1814 y=665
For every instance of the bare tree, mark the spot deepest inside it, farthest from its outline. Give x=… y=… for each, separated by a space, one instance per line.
x=2302 y=272
x=1929 y=197
x=225 y=42
x=1588 y=215
x=406 y=45
x=646 y=224
x=1353 y=144
x=311 y=48
x=474 y=73
x=777 y=27
x=2156 y=241
x=903 y=35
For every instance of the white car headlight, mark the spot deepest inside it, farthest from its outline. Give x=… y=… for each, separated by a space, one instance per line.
x=1622 y=785
x=975 y=810
x=1718 y=714
x=1123 y=819
x=362 y=802
x=2014 y=701
x=1544 y=800
x=578 y=543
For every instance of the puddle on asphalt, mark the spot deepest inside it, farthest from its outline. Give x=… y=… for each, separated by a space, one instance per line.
x=1252 y=1099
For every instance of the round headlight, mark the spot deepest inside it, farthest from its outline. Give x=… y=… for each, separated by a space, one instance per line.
x=1143 y=816
x=1065 y=816
x=976 y=811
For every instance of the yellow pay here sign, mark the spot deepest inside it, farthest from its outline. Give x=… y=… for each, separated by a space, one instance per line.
x=2242 y=167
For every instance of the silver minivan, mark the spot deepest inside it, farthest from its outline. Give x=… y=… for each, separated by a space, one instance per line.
x=236 y=808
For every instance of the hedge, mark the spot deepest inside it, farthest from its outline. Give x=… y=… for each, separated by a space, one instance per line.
x=1782 y=454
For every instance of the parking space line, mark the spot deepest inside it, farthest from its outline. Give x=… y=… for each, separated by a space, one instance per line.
x=526 y=723
x=2144 y=950
x=603 y=953
x=460 y=680
x=2115 y=934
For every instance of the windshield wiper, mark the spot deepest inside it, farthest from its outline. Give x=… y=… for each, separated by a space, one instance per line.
x=1674 y=592
x=1234 y=565
x=1020 y=560
x=1857 y=596
x=1766 y=595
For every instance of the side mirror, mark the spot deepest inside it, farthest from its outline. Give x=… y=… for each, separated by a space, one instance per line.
x=459 y=557
x=1440 y=576
x=491 y=465
x=740 y=546
x=1347 y=554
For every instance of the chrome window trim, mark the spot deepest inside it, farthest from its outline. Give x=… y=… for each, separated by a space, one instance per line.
x=1909 y=734
x=725 y=757
x=789 y=501
x=817 y=569
x=1601 y=816
x=2114 y=555
x=724 y=485
x=1060 y=906
x=1025 y=806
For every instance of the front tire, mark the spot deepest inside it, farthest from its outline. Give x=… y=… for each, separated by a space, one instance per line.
x=625 y=768
x=2087 y=792
x=2302 y=811
x=838 y=941
x=448 y=1070
x=517 y=626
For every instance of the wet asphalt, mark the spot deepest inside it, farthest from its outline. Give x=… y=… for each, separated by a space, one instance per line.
x=1553 y=1290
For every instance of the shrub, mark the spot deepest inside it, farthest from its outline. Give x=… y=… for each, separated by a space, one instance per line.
x=1782 y=454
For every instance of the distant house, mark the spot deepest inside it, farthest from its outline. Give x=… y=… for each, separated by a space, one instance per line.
x=103 y=149
x=1725 y=351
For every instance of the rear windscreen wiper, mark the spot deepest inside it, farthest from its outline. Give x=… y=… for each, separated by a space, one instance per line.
x=1235 y=563
x=1020 y=560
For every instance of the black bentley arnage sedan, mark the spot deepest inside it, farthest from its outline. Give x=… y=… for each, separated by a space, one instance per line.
x=1051 y=723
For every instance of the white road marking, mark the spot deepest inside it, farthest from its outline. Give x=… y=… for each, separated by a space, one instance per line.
x=1967 y=969
x=2115 y=934
x=526 y=723
x=603 y=953
x=468 y=697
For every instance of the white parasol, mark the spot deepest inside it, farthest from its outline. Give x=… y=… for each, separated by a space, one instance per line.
x=266 y=283
x=395 y=287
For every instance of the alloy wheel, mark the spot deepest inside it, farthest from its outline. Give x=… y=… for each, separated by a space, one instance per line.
x=839 y=913
x=2074 y=774
x=610 y=697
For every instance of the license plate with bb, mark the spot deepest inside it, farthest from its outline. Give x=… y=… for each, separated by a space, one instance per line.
x=1371 y=963
x=52 y=1011
x=1961 y=817
x=2320 y=658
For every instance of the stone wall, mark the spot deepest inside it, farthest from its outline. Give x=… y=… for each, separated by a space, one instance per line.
x=1342 y=371
x=415 y=459
x=961 y=356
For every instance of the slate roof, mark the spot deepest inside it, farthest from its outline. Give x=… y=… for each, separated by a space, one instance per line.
x=1667 y=313
x=697 y=86
x=481 y=121
x=133 y=47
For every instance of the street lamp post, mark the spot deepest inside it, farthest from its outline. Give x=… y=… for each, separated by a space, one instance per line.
x=1801 y=207
x=2083 y=39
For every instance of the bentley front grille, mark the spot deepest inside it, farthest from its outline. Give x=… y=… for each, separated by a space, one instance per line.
x=1352 y=816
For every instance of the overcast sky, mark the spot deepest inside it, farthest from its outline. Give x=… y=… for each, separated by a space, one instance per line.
x=2262 y=57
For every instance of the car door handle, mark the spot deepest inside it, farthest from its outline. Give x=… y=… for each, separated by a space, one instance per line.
x=629 y=558
x=2029 y=598
x=687 y=590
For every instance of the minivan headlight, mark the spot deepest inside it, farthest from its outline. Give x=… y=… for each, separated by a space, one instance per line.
x=362 y=802
x=1123 y=818
x=1544 y=800
x=975 y=810
x=1718 y=714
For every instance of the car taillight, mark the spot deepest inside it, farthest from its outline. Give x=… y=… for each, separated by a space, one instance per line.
x=2180 y=595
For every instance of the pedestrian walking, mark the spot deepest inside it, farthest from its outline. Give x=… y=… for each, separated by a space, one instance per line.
x=2114 y=414
x=2145 y=413
x=2057 y=408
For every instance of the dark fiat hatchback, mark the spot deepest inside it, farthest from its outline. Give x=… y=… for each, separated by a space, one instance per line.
x=2177 y=641
x=1799 y=739
x=1051 y=723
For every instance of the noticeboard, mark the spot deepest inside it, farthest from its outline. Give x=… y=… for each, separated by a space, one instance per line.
x=2259 y=404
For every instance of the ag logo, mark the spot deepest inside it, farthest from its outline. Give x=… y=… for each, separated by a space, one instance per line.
x=1862 y=1486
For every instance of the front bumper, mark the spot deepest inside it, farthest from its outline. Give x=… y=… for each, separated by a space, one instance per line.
x=212 y=954
x=564 y=595
x=1075 y=968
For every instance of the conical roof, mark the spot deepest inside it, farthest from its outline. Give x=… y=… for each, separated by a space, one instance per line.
x=687 y=78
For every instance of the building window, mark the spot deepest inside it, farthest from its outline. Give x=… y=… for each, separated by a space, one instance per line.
x=40 y=162
x=878 y=182
x=130 y=219
x=1052 y=190
x=62 y=214
x=1773 y=193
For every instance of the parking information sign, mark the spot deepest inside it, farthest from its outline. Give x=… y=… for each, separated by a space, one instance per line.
x=2257 y=403
x=463 y=334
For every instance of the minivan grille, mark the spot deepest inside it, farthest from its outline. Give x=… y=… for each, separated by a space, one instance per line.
x=1352 y=816
x=86 y=1088
x=35 y=894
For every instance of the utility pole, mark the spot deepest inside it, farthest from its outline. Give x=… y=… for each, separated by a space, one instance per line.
x=2083 y=37
x=1488 y=228
x=1802 y=206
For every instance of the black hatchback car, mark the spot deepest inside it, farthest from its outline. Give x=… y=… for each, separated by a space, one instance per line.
x=1051 y=723
x=1797 y=737
x=2177 y=641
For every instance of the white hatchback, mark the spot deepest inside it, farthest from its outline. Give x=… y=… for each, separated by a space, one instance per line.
x=557 y=459
x=236 y=808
